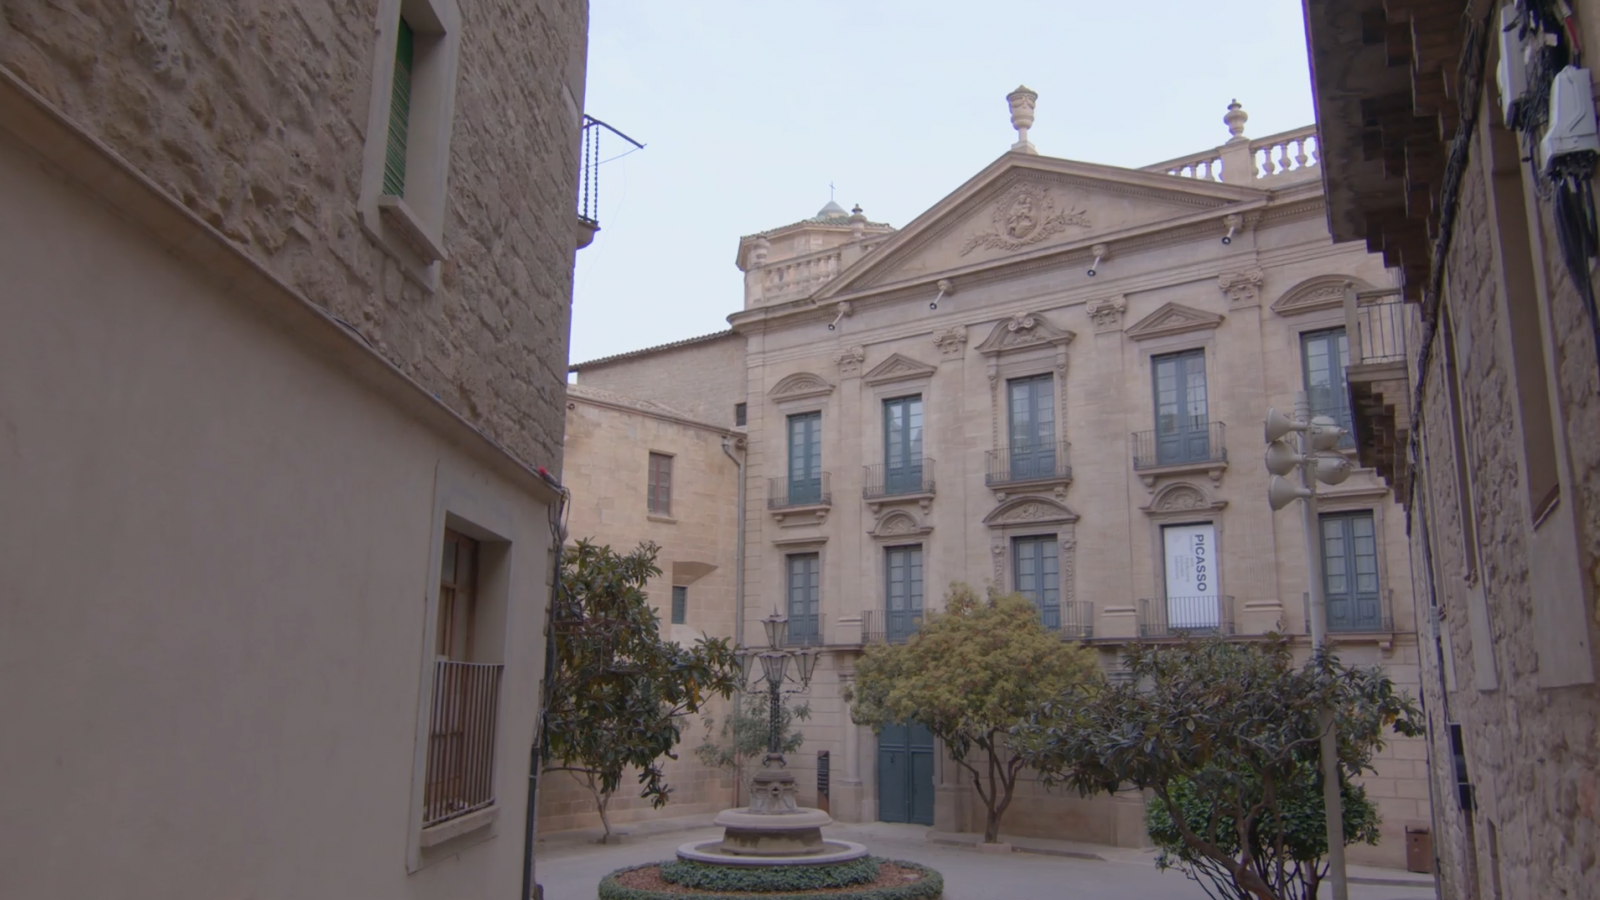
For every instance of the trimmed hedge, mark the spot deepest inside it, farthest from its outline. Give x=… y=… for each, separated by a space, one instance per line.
x=746 y=879
x=930 y=887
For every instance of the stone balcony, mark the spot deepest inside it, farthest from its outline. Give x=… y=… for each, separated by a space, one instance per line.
x=1378 y=325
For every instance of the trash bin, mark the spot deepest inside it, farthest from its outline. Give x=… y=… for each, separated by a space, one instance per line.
x=1419 y=849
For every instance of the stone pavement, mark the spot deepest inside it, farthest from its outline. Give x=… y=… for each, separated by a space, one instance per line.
x=569 y=864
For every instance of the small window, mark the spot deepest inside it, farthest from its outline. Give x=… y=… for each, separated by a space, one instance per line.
x=804 y=589
x=394 y=155
x=680 y=604
x=1350 y=572
x=740 y=414
x=458 y=771
x=660 y=486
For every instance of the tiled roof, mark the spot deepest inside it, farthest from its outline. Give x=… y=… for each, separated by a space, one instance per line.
x=835 y=221
x=686 y=342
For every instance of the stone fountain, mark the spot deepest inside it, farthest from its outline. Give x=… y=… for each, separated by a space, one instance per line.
x=774 y=830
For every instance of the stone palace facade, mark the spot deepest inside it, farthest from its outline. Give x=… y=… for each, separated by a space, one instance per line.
x=1052 y=382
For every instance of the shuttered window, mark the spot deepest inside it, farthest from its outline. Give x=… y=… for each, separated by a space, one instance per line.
x=394 y=157
x=660 y=487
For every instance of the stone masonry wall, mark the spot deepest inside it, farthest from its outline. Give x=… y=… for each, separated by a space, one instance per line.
x=1532 y=754
x=704 y=380
x=252 y=115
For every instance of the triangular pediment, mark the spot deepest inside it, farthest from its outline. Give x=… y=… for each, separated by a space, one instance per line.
x=1023 y=331
x=799 y=386
x=1024 y=206
x=898 y=368
x=1320 y=292
x=1172 y=318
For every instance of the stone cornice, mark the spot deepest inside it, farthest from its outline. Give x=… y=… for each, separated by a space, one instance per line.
x=591 y=400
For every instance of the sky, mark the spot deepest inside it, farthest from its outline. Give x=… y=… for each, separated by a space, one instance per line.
x=749 y=110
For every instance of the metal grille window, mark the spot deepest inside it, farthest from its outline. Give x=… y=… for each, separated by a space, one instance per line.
x=660 y=485
x=1036 y=574
x=1325 y=355
x=466 y=695
x=1182 y=432
x=740 y=414
x=804 y=590
x=680 y=604
x=903 y=597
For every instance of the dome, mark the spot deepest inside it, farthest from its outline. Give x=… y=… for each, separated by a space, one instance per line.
x=832 y=211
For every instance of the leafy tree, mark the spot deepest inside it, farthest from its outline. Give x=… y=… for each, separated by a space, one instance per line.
x=740 y=736
x=1224 y=735
x=618 y=692
x=1305 y=835
x=970 y=674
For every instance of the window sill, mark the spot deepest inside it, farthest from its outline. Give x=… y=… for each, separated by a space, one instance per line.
x=451 y=829
x=397 y=215
x=1212 y=468
x=665 y=520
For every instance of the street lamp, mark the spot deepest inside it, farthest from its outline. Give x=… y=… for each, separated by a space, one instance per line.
x=1316 y=460
x=776 y=675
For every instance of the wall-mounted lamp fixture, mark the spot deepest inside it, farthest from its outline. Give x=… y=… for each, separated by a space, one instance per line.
x=1233 y=222
x=1100 y=251
x=945 y=287
x=844 y=310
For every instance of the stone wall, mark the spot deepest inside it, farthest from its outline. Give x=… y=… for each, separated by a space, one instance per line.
x=608 y=441
x=704 y=379
x=1532 y=754
x=253 y=116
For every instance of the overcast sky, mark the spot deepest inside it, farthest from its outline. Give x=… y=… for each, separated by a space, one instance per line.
x=749 y=110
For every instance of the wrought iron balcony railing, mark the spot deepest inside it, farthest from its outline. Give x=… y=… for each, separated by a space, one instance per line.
x=589 y=172
x=804 y=630
x=1198 y=445
x=787 y=493
x=889 y=626
x=459 y=774
x=1362 y=614
x=1166 y=617
x=1026 y=462
x=894 y=481
x=1074 y=620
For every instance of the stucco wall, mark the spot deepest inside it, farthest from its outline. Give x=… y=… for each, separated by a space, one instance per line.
x=608 y=442
x=254 y=115
x=216 y=551
x=704 y=379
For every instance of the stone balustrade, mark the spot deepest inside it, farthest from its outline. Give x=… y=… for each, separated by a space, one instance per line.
x=799 y=276
x=1277 y=159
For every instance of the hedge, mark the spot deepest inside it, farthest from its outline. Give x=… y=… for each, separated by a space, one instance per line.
x=929 y=887
x=747 y=879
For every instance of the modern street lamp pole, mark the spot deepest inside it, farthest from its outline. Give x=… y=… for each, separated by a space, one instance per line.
x=1315 y=435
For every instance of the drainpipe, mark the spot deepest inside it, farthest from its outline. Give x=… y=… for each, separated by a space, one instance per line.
x=738 y=575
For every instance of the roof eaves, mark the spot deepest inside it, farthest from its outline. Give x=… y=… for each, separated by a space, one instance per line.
x=632 y=354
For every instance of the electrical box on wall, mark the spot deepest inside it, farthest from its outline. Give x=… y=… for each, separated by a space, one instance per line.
x=1572 y=126
x=1511 y=75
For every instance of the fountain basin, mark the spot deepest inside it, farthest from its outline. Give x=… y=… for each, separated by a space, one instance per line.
x=827 y=852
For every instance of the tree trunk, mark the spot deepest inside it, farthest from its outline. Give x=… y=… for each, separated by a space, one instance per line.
x=601 y=801
x=991 y=827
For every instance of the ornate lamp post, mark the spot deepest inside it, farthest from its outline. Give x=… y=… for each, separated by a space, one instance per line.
x=773 y=789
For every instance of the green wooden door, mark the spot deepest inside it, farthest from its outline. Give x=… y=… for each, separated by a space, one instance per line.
x=905 y=774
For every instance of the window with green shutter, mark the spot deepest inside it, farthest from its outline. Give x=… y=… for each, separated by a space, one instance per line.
x=394 y=157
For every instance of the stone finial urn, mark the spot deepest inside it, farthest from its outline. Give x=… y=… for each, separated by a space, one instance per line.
x=1235 y=118
x=1022 y=101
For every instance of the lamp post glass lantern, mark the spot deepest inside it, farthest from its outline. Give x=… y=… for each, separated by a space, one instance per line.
x=775 y=673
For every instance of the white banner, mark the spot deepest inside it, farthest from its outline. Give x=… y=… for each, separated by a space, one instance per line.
x=1191 y=576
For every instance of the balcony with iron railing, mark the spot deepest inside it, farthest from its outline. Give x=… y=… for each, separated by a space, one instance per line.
x=889 y=626
x=912 y=481
x=1378 y=329
x=1073 y=620
x=1364 y=614
x=1174 y=616
x=589 y=176
x=459 y=773
x=1027 y=465
x=799 y=493
x=1201 y=448
x=805 y=630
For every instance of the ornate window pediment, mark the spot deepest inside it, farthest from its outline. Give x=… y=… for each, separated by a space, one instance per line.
x=898 y=367
x=1172 y=318
x=1024 y=331
x=1182 y=498
x=1320 y=292
x=1030 y=511
x=799 y=386
x=899 y=523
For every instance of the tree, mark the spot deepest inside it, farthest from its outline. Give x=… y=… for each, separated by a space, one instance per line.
x=618 y=692
x=741 y=735
x=1226 y=737
x=970 y=674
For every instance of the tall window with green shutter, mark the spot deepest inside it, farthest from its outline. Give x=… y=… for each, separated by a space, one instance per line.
x=394 y=158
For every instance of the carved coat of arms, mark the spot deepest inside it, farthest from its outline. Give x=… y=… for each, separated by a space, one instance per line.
x=1024 y=215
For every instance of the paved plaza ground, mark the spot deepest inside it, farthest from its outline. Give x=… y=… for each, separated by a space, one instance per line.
x=570 y=864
